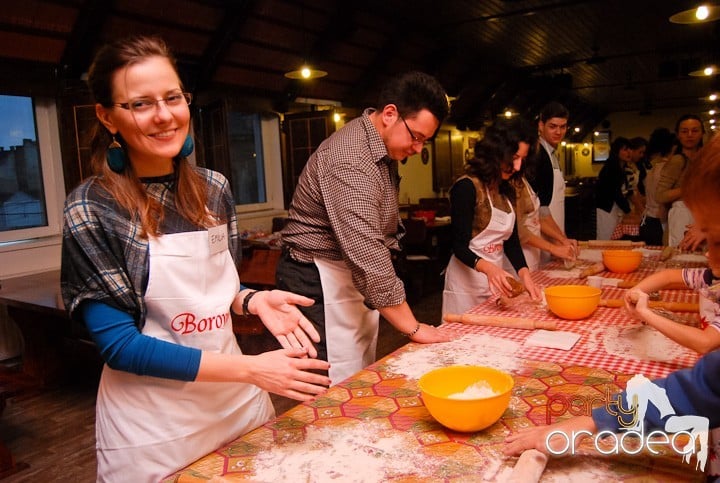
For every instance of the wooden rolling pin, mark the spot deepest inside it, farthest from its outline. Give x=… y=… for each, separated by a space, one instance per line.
x=592 y=270
x=611 y=243
x=671 y=286
x=655 y=304
x=499 y=321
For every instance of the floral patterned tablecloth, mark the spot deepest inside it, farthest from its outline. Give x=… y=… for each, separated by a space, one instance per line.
x=374 y=427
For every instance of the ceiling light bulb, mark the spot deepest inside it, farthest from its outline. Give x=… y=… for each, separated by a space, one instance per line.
x=508 y=113
x=713 y=97
x=711 y=112
x=305 y=72
x=597 y=133
x=712 y=121
x=702 y=12
x=577 y=129
x=708 y=71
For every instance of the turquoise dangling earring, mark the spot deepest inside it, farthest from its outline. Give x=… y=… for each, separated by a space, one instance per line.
x=115 y=156
x=187 y=147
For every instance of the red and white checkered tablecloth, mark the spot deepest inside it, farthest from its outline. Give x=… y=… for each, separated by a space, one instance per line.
x=622 y=229
x=590 y=350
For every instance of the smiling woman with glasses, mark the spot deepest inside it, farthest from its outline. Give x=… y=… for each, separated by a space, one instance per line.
x=150 y=259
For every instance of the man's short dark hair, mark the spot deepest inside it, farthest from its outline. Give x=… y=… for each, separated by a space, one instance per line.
x=553 y=109
x=413 y=92
x=637 y=142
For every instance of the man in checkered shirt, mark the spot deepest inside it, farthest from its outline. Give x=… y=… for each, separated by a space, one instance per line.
x=344 y=225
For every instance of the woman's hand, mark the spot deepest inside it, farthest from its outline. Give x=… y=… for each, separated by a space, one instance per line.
x=286 y=372
x=566 y=252
x=497 y=278
x=573 y=243
x=278 y=311
x=530 y=286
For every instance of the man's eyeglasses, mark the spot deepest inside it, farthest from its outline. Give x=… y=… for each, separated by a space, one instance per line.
x=145 y=105
x=415 y=138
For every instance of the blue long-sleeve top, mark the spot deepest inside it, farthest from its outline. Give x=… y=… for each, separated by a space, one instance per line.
x=692 y=392
x=125 y=348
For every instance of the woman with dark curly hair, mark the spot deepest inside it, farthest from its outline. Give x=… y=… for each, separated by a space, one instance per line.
x=483 y=221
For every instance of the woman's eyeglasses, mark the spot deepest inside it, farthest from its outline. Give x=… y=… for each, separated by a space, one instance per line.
x=146 y=105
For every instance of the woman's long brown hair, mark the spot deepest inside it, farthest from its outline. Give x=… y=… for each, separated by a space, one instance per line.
x=125 y=187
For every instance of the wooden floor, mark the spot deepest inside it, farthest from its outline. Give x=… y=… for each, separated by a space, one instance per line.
x=53 y=432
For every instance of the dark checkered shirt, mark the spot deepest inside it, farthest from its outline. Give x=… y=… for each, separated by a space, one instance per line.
x=345 y=207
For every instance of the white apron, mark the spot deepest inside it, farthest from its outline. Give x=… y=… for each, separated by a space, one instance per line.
x=465 y=287
x=556 y=206
x=679 y=217
x=532 y=224
x=605 y=222
x=351 y=328
x=148 y=427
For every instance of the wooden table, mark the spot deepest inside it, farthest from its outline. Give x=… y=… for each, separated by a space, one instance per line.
x=35 y=305
x=374 y=426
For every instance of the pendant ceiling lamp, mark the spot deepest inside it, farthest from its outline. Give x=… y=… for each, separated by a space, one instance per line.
x=702 y=13
x=304 y=72
x=704 y=72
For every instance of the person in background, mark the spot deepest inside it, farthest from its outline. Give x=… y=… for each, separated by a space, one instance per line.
x=344 y=225
x=654 y=220
x=149 y=265
x=691 y=392
x=690 y=131
x=535 y=237
x=548 y=180
x=483 y=221
x=635 y=172
x=611 y=189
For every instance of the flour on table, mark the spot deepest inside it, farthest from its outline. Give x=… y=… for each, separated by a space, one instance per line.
x=572 y=273
x=363 y=451
x=590 y=255
x=470 y=350
x=640 y=342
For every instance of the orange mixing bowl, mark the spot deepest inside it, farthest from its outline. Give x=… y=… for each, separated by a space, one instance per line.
x=448 y=395
x=621 y=261
x=572 y=302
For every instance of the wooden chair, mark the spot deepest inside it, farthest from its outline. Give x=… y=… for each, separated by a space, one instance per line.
x=418 y=258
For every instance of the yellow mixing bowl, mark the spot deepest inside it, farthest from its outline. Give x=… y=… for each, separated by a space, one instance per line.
x=572 y=302
x=471 y=413
x=621 y=261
